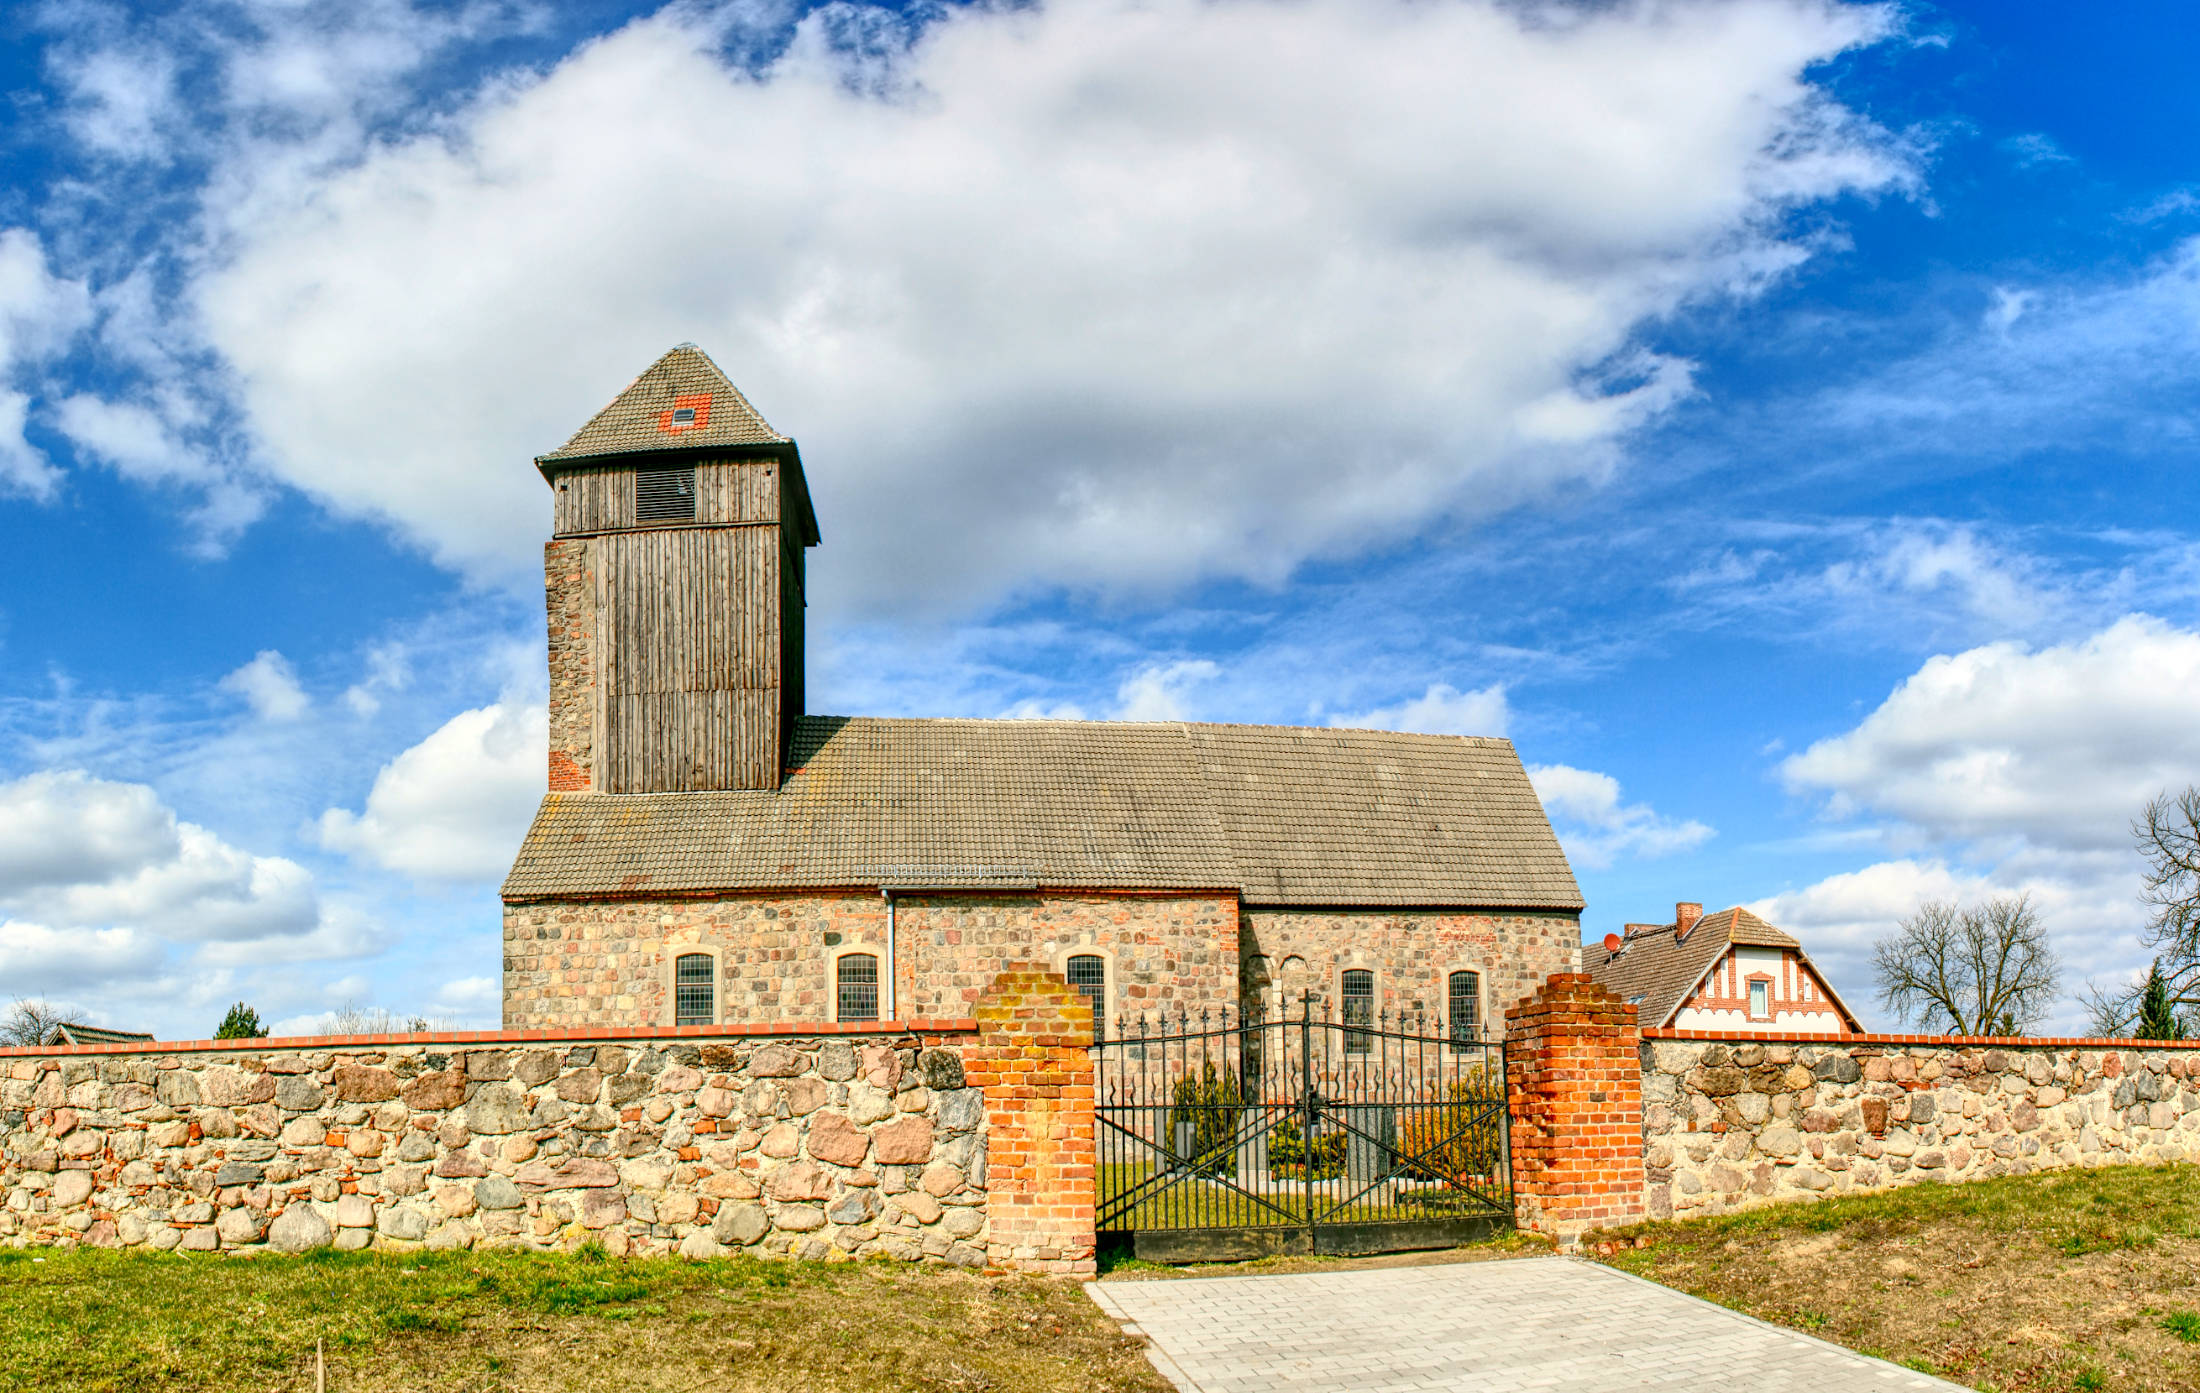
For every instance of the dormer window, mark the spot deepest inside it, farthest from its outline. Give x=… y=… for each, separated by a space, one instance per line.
x=664 y=495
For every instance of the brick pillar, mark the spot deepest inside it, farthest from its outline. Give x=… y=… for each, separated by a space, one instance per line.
x=1034 y=1030
x=1574 y=1084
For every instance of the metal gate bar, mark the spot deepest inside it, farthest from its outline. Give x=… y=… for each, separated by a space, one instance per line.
x=1223 y=1136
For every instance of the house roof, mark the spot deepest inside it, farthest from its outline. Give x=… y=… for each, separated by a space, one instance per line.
x=1282 y=815
x=71 y=1033
x=639 y=418
x=1663 y=969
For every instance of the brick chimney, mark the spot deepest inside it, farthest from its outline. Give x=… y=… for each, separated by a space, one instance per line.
x=1685 y=916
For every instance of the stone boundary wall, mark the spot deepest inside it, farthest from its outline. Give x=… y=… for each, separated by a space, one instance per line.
x=821 y=1143
x=1733 y=1121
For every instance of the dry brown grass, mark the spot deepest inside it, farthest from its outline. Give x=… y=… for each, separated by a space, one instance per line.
x=2080 y=1280
x=517 y=1323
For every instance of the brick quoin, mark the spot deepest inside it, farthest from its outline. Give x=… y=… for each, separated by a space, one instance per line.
x=1574 y=1083
x=1032 y=1060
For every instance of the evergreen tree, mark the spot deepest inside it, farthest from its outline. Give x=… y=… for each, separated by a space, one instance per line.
x=242 y=1023
x=2157 y=1013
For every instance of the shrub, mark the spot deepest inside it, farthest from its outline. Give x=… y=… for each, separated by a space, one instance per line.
x=1209 y=1103
x=1459 y=1140
x=1291 y=1158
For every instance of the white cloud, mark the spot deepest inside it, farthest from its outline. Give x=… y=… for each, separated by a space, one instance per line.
x=455 y=805
x=73 y=963
x=83 y=853
x=66 y=828
x=2055 y=748
x=1132 y=291
x=121 y=100
x=1597 y=827
x=39 y=313
x=2104 y=360
x=1161 y=692
x=270 y=687
x=2019 y=770
x=103 y=889
x=1441 y=710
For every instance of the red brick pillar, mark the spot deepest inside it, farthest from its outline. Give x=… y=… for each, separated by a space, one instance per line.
x=1032 y=1060
x=1574 y=1080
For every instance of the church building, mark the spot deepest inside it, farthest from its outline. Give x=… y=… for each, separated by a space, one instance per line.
x=710 y=852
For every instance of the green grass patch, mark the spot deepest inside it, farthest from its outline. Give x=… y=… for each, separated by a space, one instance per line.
x=94 y=1319
x=2078 y=1279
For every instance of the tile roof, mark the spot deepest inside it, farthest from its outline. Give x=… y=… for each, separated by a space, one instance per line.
x=639 y=418
x=1663 y=971
x=73 y=1033
x=1283 y=815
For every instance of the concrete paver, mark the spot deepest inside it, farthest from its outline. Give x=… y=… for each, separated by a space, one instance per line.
x=1554 y=1325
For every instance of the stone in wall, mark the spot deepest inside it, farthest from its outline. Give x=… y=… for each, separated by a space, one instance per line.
x=1729 y=1125
x=823 y=1148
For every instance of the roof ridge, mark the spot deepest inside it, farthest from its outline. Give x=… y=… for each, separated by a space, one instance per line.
x=1481 y=741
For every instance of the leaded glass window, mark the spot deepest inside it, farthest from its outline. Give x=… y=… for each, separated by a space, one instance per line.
x=856 y=985
x=1359 y=1009
x=1464 y=996
x=694 y=990
x=1088 y=972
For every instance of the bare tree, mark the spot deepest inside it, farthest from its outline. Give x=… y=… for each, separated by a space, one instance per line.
x=1985 y=970
x=2168 y=836
x=353 y=1019
x=34 y=1022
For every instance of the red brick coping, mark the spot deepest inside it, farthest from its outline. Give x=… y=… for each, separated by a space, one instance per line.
x=504 y=1037
x=1998 y=1042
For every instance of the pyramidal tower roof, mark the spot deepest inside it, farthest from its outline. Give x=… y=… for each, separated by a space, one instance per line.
x=683 y=402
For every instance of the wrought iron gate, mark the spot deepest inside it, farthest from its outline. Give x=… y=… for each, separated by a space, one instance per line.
x=1222 y=1136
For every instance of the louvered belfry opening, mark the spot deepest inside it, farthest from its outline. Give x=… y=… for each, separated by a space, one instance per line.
x=679 y=634
x=664 y=495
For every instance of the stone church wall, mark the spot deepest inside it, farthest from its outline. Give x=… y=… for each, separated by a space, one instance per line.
x=592 y=964
x=1412 y=954
x=1731 y=1123
x=817 y=1145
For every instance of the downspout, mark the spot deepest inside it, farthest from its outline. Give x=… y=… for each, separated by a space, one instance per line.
x=887 y=1006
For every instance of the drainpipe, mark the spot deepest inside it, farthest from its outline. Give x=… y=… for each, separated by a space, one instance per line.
x=886 y=1004
x=886 y=1007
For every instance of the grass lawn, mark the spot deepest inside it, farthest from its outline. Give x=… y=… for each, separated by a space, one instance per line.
x=2084 y=1280
x=96 y=1320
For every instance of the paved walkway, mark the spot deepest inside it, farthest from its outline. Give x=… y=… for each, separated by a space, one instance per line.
x=1554 y=1325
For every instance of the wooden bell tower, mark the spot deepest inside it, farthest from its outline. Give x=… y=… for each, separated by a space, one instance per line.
x=675 y=585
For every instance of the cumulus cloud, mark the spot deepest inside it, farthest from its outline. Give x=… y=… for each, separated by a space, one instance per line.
x=269 y=685
x=2056 y=747
x=83 y=853
x=1597 y=827
x=1441 y=710
x=103 y=887
x=454 y=806
x=1135 y=292
x=2013 y=769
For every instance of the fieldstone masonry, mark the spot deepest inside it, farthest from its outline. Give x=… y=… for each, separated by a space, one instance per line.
x=1732 y=1123
x=823 y=1146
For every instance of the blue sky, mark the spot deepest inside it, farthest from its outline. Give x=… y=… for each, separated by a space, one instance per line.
x=1778 y=418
